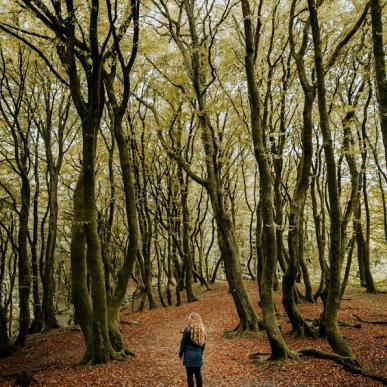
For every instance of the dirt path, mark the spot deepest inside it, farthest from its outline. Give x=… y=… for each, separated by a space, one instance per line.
x=54 y=357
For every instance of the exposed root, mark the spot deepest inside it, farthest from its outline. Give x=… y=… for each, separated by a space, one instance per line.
x=128 y=352
x=349 y=325
x=121 y=355
x=306 y=330
x=318 y=353
x=262 y=358
x=256 y=355
x=379 y=322
x=91 y=357
x=348 y=363
x=105 y=357
x=352 y=365
x=241 y=331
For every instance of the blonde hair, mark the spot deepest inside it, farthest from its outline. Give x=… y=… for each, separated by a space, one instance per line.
x=196 y=328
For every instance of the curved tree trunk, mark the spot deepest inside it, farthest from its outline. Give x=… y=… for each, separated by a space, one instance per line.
x=299 y=327
x=370 y=285
x=279 y=349
x=37 y=322
x=329 y=320
x=24 y=265
x=380 y=67
x=227 y=240
x=132 y=220
x=48 y=278
x=80 y=293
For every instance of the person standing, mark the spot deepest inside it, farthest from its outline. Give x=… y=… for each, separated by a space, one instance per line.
x=192 y=346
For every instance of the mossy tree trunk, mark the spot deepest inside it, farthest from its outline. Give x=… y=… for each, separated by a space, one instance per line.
x=24 y=262
x=16 y=110
x=299 y=327
x=329 y=318
x=227 y=240
x=37 y=322
x=185 y=212
x=54 y=163
x=279 y=349
x=80 y=293
x=380 y=67
x=119 y=108
x=98 y=347
x=195 y=59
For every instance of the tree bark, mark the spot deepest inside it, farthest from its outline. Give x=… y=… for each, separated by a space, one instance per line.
x=380 y=67
x=329 y=319
x=279 y=349
x=37 y=322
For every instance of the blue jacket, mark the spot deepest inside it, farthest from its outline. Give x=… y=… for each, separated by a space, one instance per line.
x=192 y=352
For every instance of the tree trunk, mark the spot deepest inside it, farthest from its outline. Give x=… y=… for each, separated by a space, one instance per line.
x=279 y=349
x=4 y=339
x=295 y=233
x=370 y=285
x=360 y=253
x=132 y=221
x=48 y=278
x=80 y=293
x=103 y=350
x=319 y=224
x=349 y=263
x=186 y=237
x=37 y=322
x=24 y=265
x=380 y=67
x=329 y=319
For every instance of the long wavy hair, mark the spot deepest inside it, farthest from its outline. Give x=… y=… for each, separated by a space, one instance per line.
x=196 y=328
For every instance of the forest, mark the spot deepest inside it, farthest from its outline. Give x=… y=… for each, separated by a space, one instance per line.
x=159 y=157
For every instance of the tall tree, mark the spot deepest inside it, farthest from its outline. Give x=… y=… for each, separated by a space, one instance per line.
x=329 y=320
x=380 y=67
x=302 y=184
x=279 y=349
x=195 y=59
x=53 y=114
x=16 y=110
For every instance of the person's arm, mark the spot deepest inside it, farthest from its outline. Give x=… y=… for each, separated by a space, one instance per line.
x=203 y=346
x=183 y=343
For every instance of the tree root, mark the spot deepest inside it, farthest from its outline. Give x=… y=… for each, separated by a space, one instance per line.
x=128 y=352
x=305 y=331
x=379 y=322
x=348 y=363
x=352 y=365
x=318 y=353
x=343 y=323
x=262 y=358
x=242 y=331
x=92 y=358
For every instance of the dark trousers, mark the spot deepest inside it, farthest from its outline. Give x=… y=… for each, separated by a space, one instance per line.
x=190 y=373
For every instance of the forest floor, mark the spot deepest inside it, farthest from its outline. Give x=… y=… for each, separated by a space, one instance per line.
x=54 y=357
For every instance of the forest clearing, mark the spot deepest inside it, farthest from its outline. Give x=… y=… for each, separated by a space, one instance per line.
x=154 y=336
x=156 y=153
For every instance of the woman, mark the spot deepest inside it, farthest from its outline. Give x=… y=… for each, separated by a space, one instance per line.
x=192 y=347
